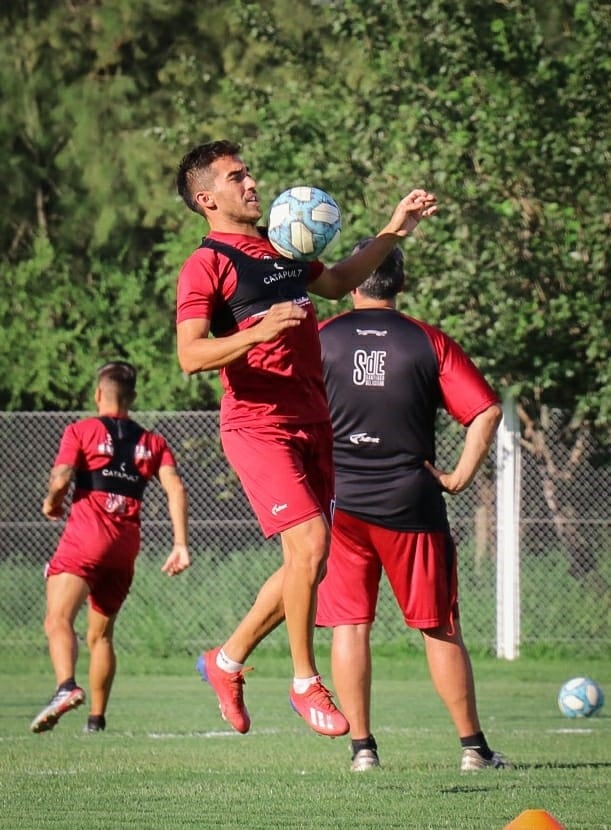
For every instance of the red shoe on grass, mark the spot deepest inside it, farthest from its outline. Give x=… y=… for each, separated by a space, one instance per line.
x=317 y=709
x=228 y=687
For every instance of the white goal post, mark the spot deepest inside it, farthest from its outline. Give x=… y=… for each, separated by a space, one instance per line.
x=508 y=458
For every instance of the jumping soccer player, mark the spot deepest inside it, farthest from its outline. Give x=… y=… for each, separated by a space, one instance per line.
x=275 y=426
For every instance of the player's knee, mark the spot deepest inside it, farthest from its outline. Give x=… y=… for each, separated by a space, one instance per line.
x=96 y=638
x=307 y=546
x=52 y=624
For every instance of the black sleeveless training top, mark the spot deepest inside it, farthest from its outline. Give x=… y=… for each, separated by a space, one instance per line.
x=120 y=476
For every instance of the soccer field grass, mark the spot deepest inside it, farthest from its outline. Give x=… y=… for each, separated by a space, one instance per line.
x=168 y=761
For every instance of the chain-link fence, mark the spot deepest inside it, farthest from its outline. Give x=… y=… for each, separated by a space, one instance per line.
x=565 y=556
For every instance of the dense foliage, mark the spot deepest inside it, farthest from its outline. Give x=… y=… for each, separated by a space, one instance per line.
x=501 y=108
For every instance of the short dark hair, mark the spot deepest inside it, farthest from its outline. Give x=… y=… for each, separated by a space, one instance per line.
x=196 y=163
x=387 y=280
x=120 y=373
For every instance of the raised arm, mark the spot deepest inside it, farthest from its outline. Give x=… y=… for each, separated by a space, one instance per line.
x=336 y=281
x=176 y=493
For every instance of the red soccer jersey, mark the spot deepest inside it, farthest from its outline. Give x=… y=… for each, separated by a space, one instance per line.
x=232 y=285
x=87 y=445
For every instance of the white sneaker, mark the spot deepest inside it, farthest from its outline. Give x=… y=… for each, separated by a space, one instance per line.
x=365 y=759
x=472 y=761
x=61 y=702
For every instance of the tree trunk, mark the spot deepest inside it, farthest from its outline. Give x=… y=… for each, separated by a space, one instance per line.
x=554 y=480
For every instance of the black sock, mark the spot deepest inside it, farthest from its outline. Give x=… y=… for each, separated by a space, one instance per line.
x=479 y=743
x=68 y=685
x=364 y=743
x=96 y=722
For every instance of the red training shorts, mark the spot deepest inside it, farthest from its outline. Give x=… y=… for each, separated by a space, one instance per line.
x=421 y=569
x=286 y=472
x=103 y=556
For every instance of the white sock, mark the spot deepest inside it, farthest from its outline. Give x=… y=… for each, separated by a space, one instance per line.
x=302 y=684
x=226 y=663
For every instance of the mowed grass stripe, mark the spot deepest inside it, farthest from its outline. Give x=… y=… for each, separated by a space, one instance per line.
x=168 y=761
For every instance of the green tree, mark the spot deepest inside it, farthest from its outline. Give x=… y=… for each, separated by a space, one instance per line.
x=86 y=87
x=497 y=106
x=57 y=330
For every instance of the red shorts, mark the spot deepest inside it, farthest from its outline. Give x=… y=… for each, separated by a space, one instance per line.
x=421 y=569
x=103 y=556
x=286 y=472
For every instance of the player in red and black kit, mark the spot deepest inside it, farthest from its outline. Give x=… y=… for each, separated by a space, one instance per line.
x=111 y=459
x=275 y=426
x=386 y=376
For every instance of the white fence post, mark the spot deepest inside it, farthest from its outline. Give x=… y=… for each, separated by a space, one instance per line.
x=508 y=533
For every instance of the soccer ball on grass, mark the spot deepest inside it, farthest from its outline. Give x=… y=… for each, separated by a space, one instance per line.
x=580 y=697
x=303 y=221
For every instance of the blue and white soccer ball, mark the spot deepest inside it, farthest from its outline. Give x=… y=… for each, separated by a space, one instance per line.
x=580 y=697
x=303 y=222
